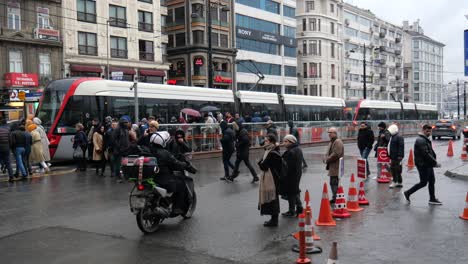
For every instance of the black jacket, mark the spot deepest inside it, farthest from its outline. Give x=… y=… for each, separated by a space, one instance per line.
x=382 y=140
x=121 y=140
x=397 y=147
x=18 y=139
x=289 y=183
x=424 y=155
x=227 y=141
x=243 y=143
x=4 y=138
x=167 y=164
x=80 y=140
x=365 y=138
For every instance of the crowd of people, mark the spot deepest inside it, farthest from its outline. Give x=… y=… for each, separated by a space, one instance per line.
x=28 y=142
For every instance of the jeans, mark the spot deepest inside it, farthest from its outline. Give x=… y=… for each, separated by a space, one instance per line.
x=227 y=163
x=365 y=154
x=19 y=155
x=426 y=175
x=396 y=169
x=334 y=181
x=5 y=160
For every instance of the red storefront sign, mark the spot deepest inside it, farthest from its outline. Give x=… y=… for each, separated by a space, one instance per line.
x=382 y=155
x=220 y=79
x=361 y=168
x=16 y=79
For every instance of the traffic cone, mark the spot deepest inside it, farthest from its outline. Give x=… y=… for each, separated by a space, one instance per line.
x=450 y=149
x=464 y=215
x=333 y=257
x=302 y=259
x=464 y=155
x=410 y=160
x=325 y=217
x=353 y=204
x=362 y=195
x=340 y=210
x=308 y=218
x=383 y=177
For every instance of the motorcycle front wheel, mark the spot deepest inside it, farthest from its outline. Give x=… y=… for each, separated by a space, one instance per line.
x=147 y=224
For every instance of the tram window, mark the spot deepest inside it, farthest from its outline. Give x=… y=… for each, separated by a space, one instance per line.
x=73 y=113
x=272 y=110
x=410 y=114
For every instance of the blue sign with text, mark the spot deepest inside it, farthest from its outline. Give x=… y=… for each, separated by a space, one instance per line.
x=465 y=62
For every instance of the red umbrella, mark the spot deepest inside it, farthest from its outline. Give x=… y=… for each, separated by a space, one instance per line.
x=191 y=112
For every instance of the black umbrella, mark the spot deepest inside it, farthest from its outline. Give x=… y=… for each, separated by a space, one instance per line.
x=209 y=108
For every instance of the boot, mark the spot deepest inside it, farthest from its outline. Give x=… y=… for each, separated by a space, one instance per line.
x=234 y=174
x=273 y=222
x=255 y=179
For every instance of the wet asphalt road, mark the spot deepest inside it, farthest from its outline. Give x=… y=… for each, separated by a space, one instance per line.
x=81 y=218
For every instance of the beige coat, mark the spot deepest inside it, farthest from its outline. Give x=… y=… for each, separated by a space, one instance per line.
x=335 y=151
x=98 y=146
x=37 y=151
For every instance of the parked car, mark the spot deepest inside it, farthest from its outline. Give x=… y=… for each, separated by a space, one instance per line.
x=446 y=128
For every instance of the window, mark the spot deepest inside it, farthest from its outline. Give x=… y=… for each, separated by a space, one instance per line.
x=313 y=90
x=14 y=15
x=257 y=46
x=351 y=32
x=350 y=16
x=416 y=87
x=332 y=50
x=304 y=70
x=146 y=50
x=289 y=51
x=416 y=44
x=198 y=37
x=333 y=75
x=16 y=61
x=312 y=24
x=86 y=10
x=289 y=32
x=289 y=11
x=198 y=10
x=332 y=8
x=87 y=44
x=290 y=71
x=118 y=47
x=223 y=17
x=44 y=64
x=313 y=70
x=416 y=76
x=309 y=6
x=214 y=39
x=223 y=40
x=365 y=35
x=179 y=15
x=180 y=40
x=304 y=24
x=170 y=41
x=255 y=23
x=267 y=5
x=117 y=16
x=43 y=17
x=333 y=90
x=146 y=1
x=364 y=21
x=304 y=47
x=145 y=21
x=332 y=28
x=313 y=48
x=265 y=68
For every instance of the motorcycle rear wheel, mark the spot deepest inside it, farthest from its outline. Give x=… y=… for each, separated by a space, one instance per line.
x=147 y=226
x=191 y=208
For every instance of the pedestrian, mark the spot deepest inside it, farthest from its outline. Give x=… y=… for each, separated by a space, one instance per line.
x=121 y=145
x=396 y=152
x=90 y=133
x=134 y=133
x=365 y=142
x=44 y=140
x=271 y=128
x=239 y=118
x=145 y=139
x=382 y=142
x=293 y=131
x=242 y=152
x=98 y=151
x=143 y=126
x=291 y=179
x=228 y=117
x=5 y=148
x=269 y=188
x=109 y=144
x=80 y=142
x=18 y=145
x=335 y=151
x=37 y=151
x=425 y=160
x=227 y=143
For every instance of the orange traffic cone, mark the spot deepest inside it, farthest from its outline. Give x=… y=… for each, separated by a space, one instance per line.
x=410 y=160
x=464 y=154
x=333 y=257
x=464 y=215
x=450 y=149
x=353 y=204
x=308 y=215
x=325 y=217
x=383 y=177
x=302 y=259
x=340 y=210
x=362 y=195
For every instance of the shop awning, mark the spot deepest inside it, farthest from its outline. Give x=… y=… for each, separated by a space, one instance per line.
x=85 y=68
x=128 y=71
x=148 y=72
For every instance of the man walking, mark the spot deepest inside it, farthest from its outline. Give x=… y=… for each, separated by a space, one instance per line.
x=227 y=143
x=365 y=142
x=18 y=145
x=5 y=148
x=396 y=151
x=425 y=159
x=332 y=159
x=293 y=131
x=242 y=151
x=120 y=146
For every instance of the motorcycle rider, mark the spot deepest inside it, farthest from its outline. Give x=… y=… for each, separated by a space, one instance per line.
x=167 y=164
x=179 y=147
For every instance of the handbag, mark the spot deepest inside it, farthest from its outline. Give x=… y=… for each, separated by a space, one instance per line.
x=77 y=153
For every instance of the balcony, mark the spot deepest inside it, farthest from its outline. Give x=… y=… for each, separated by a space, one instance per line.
x=198 y=19
x=383 y=88
x=87 y=50
x=146 y=56
x=382 y=75
x=118 y=22
x=86 y=17
x=397 y=77
x=397 y=40
x=382 y=34
x=147 y=27
x=398 y=52
x=119 y=53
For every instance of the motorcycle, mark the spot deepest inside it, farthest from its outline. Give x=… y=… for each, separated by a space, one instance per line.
x=150 y=203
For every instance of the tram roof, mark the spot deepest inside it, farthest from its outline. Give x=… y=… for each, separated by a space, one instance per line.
x=380 y=104
x=257 y=97
x=426 y=107
x=292 y=99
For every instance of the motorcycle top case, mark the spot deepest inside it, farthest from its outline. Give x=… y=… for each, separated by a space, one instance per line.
x=131 y=166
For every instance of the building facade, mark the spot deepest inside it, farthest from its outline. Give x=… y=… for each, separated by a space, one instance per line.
x=30 y=51
x=266 y=43
x=114 y=39
x=188 y=47
x=320 y=47
x=381 y=43
x=423 y=66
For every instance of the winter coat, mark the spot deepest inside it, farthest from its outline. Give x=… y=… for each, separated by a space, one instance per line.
x=396 y=147
x=37 y=152
x=80 y=140
x=18 y=139
x=167 y=164
x=242 y=144
x=424 y=155
x=334 y=153
x=289 y=183
x=272 y=162
x=4 y=138
x=98 y=144
x=45 y=142
x=382 y=140
x=365 y=138
x=120 y=141
x=227 y=141
x=179 y=149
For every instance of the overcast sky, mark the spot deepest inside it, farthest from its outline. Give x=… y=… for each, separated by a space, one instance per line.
x=442 y=20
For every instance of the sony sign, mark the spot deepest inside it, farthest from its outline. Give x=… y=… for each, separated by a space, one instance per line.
x=265 y=37
x=244 y=32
